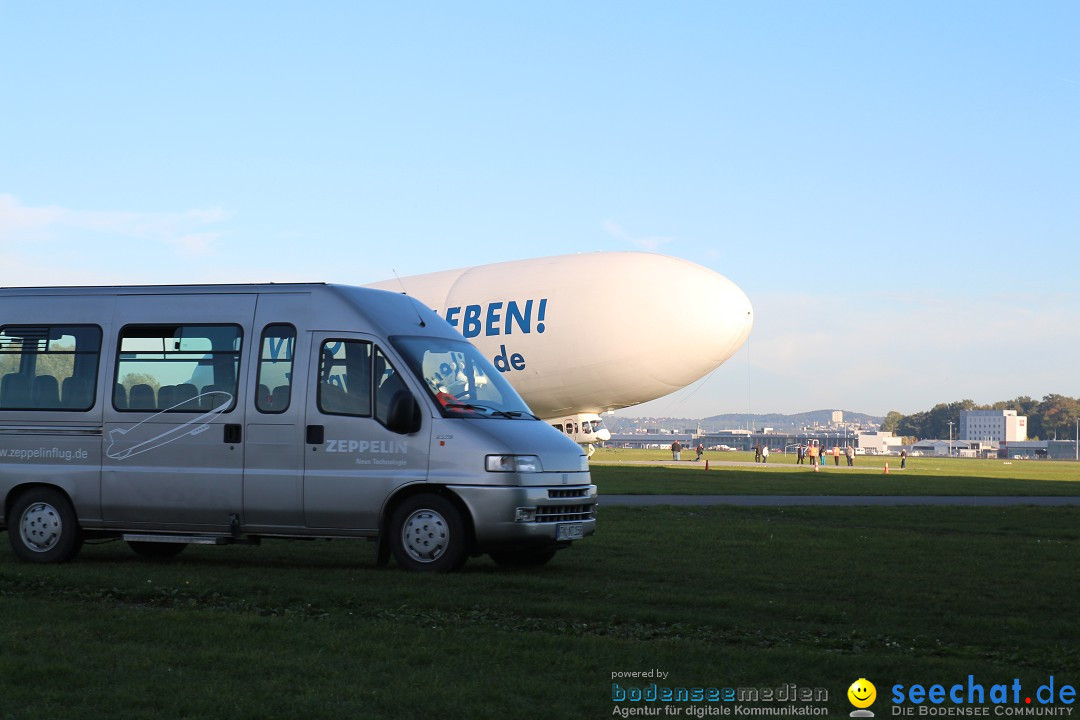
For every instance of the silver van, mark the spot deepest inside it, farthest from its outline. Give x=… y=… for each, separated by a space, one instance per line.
x=174 y=415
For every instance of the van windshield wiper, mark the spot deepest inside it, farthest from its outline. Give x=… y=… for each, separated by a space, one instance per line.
x=513 y=414
x=484 y=408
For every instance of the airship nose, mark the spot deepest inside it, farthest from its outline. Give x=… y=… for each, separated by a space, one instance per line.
x=732 y=319
x=670 y=322
x=717 y=324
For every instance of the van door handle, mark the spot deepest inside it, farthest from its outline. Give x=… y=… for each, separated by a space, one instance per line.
x=232 y=433
x=315 y=434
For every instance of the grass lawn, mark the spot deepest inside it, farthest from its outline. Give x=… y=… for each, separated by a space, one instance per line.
x=652 y=472
x=716 y=596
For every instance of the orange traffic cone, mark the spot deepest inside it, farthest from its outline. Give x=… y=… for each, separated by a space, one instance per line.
x=886 y=469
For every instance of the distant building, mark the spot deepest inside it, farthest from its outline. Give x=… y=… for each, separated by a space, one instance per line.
x=650 y=441
x=942 y=447
x=879 y=442
x=1040 y=450
x=1003 y=426
x=837 y=416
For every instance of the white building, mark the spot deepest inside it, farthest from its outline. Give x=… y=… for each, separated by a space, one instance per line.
x=992 y=426
x=879 y=442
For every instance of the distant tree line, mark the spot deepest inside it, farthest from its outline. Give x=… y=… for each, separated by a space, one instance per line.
x=1052 y=417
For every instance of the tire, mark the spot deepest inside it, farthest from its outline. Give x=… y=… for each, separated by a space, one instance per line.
x=156 y=550
x=427 y=534
x=522 y=557
x=43 y=527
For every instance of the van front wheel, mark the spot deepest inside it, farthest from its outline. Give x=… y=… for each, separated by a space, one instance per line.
x=427 y=534
x=43 y=527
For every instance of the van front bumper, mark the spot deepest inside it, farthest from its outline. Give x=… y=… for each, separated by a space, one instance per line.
x=517 y=516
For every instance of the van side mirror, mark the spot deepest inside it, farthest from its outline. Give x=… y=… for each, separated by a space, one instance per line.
x=403 y=416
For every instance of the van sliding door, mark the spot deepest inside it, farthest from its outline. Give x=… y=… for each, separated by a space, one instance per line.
x=173 y=441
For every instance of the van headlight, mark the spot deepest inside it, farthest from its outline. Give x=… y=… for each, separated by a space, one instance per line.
x=513 y=463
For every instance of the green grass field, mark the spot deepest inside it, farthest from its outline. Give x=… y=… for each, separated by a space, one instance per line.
x=650 y=472
x=717 y=596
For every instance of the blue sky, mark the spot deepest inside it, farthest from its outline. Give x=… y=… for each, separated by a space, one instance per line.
x=896 y=186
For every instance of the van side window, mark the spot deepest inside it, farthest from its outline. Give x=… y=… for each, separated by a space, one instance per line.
x=345 y=377
x=48 y=367
x=177 y=368
x=274 y=377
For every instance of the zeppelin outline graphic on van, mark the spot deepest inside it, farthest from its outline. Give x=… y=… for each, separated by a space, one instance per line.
x=124 y=442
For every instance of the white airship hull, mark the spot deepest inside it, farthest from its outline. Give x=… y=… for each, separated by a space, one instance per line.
x=591 y=332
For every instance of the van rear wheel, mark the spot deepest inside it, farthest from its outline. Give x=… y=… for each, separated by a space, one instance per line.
x=43 y=527
x=427 y=534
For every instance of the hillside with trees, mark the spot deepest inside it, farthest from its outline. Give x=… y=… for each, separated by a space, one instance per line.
x=1054 y=416
x=782 y=422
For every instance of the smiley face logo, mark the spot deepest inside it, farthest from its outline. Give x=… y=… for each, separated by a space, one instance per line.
x=862 y=693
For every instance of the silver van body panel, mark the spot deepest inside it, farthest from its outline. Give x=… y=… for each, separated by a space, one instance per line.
x=225 y=458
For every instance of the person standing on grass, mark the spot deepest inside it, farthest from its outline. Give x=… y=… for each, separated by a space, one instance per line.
x=800 y=453
x=700 y=451
x=903 y=459
x=676 y=450
x=765 y=454
x=849 y=452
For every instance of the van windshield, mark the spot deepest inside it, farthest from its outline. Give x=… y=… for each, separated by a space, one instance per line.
x=462 y=382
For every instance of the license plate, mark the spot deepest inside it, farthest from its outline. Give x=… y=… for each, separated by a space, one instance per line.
x=569 y=531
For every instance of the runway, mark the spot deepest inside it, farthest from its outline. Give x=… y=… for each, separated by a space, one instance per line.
x=837 y=500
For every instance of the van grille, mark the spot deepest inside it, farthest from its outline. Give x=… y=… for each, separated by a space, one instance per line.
x=569 y=493
x=564 y=513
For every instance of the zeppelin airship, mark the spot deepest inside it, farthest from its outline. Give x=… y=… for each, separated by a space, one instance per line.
x=578 y=335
